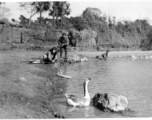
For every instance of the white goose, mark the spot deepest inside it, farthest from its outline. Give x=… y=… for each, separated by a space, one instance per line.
x=79 y=102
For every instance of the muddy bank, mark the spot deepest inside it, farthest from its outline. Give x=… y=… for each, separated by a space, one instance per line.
x=26 y=89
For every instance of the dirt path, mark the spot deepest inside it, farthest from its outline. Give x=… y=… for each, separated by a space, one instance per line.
x=26 y=89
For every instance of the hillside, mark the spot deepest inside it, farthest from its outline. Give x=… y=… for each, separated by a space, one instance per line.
x=90 y=31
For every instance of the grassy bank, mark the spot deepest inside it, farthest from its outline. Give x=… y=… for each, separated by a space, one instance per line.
x=26 y=90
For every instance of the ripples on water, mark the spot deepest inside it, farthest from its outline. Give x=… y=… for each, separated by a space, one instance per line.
x=130 y=78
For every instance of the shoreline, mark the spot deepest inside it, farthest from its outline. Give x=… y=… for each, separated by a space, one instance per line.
x=116 y=53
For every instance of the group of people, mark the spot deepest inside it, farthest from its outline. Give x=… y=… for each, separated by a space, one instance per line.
x=51 y=55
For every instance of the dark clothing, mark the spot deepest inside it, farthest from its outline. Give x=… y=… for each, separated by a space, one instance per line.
x=50 y=56
x=63 y=42
x=65 y=50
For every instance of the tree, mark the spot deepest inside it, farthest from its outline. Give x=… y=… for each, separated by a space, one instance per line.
x=23 y=20
x=31 y=10
x=13 y=20
x=59 y=10
x=79 y=23
x=41 y=7
x=64 y=10
x=55 y=13
x=4 y=12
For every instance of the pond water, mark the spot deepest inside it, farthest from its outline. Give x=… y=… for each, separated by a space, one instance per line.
x=119 y=75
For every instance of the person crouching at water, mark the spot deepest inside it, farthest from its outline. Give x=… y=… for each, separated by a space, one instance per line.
x=51 y=56
x=63 y=42
x=105 y=55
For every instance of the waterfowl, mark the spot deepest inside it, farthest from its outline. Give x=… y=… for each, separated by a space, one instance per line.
x=79 y=102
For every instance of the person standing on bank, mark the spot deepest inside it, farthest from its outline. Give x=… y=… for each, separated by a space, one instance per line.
x=63 y=43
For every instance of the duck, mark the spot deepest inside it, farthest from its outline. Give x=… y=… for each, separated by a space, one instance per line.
x=74 y=101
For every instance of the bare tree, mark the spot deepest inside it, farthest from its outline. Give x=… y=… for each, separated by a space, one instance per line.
x=31 y=10
x=4 y=12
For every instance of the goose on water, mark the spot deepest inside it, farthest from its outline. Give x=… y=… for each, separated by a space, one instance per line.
x=79 y=102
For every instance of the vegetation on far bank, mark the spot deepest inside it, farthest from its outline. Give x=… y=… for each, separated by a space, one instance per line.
x=92 y=30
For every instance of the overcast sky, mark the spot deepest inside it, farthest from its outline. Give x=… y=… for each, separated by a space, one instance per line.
x=121 y=9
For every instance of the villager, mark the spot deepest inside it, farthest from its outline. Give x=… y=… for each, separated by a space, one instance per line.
x=51 y=56
x=63 y=42
x=105 y=55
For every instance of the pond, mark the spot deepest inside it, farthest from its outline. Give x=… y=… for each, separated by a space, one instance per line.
x=119 y=75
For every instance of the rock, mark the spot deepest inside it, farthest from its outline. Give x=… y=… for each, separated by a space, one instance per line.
x=76 y=58
x=110 y=102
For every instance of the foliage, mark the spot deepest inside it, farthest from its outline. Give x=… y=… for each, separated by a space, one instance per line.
x=41 y=7
x=31 y=9
x=59 y=10
x=92 y=29
x=23 y=20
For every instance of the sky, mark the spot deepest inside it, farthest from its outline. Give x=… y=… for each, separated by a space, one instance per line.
x=121 y=9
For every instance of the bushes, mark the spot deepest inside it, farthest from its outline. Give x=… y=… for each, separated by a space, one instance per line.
x=84 y=39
